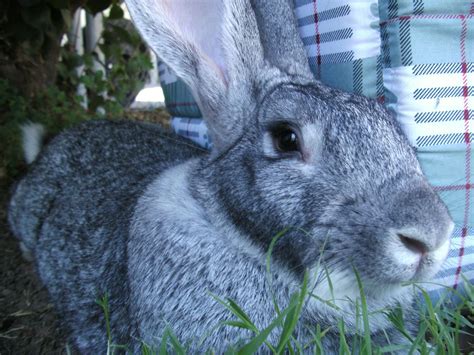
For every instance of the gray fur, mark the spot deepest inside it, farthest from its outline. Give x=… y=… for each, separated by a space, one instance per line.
x=282 y=45
x=127 y=209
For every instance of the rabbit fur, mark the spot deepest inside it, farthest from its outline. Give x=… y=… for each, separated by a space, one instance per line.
x=129 y=210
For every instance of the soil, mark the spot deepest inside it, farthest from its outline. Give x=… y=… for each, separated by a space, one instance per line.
x=28 y=323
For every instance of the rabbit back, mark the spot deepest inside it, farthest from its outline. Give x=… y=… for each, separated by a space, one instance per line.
x=73 y=210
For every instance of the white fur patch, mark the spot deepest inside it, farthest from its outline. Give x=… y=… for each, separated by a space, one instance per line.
x=169 y=199
x=32 y=134
x=312 y=142
x=336 y=296
x=344 y=288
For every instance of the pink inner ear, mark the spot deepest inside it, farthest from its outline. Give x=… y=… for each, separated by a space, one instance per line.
x=200 y=22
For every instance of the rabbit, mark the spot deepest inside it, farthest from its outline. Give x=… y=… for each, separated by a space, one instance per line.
x=130 y=211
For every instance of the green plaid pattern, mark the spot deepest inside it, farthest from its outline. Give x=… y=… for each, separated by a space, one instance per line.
x=343 y=37
x=178 y=97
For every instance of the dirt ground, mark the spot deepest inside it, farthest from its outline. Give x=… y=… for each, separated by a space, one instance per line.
x=28 y=324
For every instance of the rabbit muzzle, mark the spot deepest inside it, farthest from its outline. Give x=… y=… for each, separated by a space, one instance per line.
x=420 y=242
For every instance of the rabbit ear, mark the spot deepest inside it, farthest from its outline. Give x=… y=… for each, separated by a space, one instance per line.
x=281 y=41
x=213 y=45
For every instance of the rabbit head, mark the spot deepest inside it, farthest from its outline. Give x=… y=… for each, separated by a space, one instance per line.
x=290 y=152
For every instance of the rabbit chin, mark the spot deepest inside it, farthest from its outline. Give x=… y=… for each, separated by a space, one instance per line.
x=336 y=291
x=336 y=297
x=341 y=288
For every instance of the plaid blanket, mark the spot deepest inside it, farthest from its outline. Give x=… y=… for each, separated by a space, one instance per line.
x=417 y=57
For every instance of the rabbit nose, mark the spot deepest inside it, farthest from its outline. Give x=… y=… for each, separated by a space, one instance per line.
x=420 y=241
x=414 y=245
x=422 y=223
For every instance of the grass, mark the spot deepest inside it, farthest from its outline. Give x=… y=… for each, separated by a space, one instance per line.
x=442 y=325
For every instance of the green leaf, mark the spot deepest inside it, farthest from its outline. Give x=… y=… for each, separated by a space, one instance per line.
x=293 y=316
x=73 y=60
x=121 y=33
x=394 y=349
x=146 y=349
x=116 y=12
x=103 y=302
x=317 y=339
x=237 y=311
x=365 y=315
x=396 y=317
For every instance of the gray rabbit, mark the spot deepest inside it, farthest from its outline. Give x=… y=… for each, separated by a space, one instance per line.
x=129 y=210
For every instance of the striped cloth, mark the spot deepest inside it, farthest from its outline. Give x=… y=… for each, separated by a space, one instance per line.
x=415 y=56
x=178 y=97
x=192 y=128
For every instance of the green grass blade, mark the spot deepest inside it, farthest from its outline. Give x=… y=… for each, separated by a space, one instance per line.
x=365 y=317
x=326 y=302
x=237 y=324
x=317 y=339
x=392 y=348
x=103 y=302
x=419 y=342
x=343 y=346
x=164 y=343
x=397 y=320
x=237 y=311
x=268 y=267
x=331 y=287
x=252 y=346
x=292 y=319
x=177 y=346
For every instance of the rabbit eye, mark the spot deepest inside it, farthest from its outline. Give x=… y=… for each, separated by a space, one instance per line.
x=285 y=139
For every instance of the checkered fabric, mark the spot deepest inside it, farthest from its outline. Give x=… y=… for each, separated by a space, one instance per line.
x=343 y=37
x=178 y=97
x=417 y=57
x=192 y=128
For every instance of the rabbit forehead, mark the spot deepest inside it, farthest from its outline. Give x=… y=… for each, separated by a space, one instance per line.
x=295 y=103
